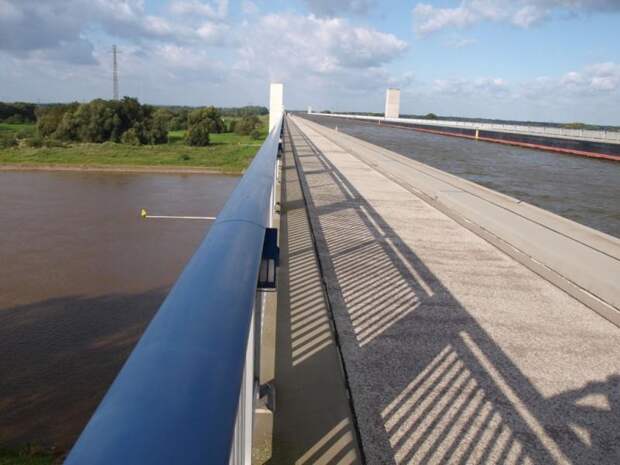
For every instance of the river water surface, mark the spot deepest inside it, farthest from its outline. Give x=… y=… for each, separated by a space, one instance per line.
x=582 y=189
x=81 y=274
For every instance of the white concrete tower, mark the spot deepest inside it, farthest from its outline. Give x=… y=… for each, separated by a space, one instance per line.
x=276 y=103
x=392 y=103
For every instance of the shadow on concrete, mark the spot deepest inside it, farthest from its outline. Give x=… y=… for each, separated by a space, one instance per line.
x=58 y=358
x=429 y=384
x=312 y=423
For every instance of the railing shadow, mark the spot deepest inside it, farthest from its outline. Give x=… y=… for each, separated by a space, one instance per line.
x=430 y=385
x=59 y=357
x=312 y=419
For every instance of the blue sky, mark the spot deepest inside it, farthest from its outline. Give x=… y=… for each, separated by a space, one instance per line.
x=555 y=60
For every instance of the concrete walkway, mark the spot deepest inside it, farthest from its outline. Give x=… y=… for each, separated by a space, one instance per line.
x=454 y=351
x=313 y=422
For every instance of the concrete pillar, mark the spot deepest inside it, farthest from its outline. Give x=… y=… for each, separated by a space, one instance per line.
x=392 y=103
x=276 y=103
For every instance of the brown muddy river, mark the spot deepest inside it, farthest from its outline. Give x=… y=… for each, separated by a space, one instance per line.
x=81 y=275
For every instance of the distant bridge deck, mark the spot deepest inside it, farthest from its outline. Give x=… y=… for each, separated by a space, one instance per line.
x=583 y=142
x=472 y=328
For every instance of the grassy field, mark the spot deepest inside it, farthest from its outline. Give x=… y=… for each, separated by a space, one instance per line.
x=27 y=130
x=228 y=152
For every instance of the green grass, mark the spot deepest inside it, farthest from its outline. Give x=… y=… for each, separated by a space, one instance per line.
x=227 y=152
x=27 y=130
x=27 y=456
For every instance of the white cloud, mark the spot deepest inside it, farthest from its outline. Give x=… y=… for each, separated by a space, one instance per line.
x=214 y=10
x=431 y=19
x=215 y=34
x=521 y=13
x=53 y=29
x=332 y=8
x=249 y=8
x=528 y=15
x=597 y=78
x=324 y=60
x=590 y=94
x=592 y=81
x=478 y=87
x=308 y=44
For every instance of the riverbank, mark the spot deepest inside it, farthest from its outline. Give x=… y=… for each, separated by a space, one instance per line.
x=165 y=169
x=228 y=153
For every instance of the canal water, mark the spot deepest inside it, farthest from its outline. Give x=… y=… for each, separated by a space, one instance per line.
x=582 y=189
x=81 y=275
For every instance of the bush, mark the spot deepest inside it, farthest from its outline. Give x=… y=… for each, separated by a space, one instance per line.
x=6 y=142
x=247 y=124
x=131 y=137
x=211 y=117
x=163 y=116
x=198 y=134
x=255 y=134
x=34 y=142
x=15 y=119
x=49 y=118
x=179 y=121
x=105 y=120
x=24 y=133
x=242 y=111
x=157 y=131
x=17 y=112
x=50 y=143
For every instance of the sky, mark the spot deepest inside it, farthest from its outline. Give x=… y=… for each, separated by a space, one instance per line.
x=542 y=60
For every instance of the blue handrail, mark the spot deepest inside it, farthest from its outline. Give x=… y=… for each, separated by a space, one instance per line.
x=175 y=400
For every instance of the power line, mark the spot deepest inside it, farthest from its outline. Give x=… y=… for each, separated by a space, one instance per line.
x=114 y=74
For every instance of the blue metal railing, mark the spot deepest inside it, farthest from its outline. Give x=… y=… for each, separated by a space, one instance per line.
x=175 y=401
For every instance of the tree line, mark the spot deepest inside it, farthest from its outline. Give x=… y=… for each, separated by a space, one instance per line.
x=17 y=113
x=130 y=122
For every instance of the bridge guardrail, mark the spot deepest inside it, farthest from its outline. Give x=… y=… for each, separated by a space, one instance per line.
x=186 y=393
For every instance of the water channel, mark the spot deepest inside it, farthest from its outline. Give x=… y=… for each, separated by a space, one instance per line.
x=582 y=189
